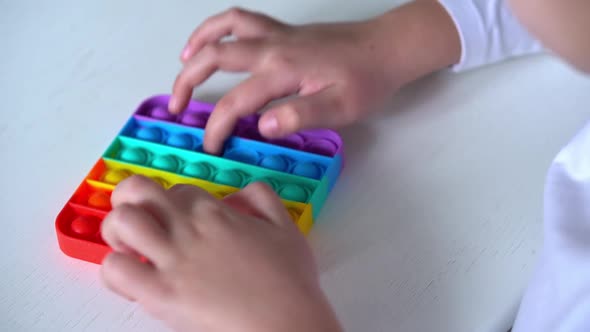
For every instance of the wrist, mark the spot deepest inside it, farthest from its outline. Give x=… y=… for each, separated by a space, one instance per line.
x=308 y=310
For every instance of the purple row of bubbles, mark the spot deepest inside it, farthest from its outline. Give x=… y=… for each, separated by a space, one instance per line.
x=323 y=142
x=319 y=141
x=189 y=118
x=195 y=115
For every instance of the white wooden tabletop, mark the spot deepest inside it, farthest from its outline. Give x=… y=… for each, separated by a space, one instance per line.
x=434 y=224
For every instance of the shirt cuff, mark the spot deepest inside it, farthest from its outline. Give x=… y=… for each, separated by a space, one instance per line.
x=488 y=32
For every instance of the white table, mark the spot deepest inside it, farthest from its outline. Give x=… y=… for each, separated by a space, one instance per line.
x=433 y=226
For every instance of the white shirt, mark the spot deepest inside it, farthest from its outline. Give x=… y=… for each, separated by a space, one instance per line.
x=558 y=296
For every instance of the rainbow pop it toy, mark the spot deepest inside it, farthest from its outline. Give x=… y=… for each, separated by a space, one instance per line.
x=301 y=168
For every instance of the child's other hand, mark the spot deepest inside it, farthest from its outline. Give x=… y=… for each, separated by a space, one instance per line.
x=333 y=69
x=237 y=264
x=339 y=72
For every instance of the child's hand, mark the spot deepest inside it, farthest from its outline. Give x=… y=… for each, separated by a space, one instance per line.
x=339 y=72
x=332 y=68
x=234 y=265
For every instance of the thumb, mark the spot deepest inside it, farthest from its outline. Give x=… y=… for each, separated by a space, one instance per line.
x=323 y=109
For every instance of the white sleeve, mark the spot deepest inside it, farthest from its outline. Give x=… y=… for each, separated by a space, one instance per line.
x=489 y=32
x=558 y=297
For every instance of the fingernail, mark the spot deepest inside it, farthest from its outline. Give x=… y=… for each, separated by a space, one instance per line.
x=186 y=53
x=270 y=126
x=172 y=104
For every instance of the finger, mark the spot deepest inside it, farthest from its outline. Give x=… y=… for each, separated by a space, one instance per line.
x=259 y=200
x=127 y=276
x=203 y=209
x=323 y=109
x=188 y=197
x=144 y=192
x=137 y=229
x=235 y=56
x=235 y=22
x=245 y=99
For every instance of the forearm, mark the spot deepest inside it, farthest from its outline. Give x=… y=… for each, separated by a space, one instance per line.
x=427 y=35
x=562 y=26
x=416 y=39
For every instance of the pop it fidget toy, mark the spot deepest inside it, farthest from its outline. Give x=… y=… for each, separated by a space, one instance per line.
x=301 y=169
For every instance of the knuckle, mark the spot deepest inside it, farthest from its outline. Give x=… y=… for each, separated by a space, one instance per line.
x=263 y=191
x=260 y=189
x=184 y=80
x=277 y=59
x=211 y=51
x=182 y=188
x=131 y=186
x=121 y=214
x=212 y=209
x=211 y=216
x=227 y=103
x=108 y=265
x=236 y=13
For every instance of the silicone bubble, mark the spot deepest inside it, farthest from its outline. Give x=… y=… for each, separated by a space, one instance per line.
x=149 y=134
x=229 y=178
x=166 y=163
x=251 y=133
x=322 y=146
x=222 y=194
x=195 y=119
x=197 y=170
x=99 y=200
x=242 y=155
x=99 y=238
x=251 y=119
x=160 y=181
x=277 y=163
x=270 y=182
x=308 y=170
x=293 y=192
x=85 y=226
x=217 y=195
x=133 y=155
x=294 y=141
x=161 y=112
x=294 y=214
x=115 y=176
x=183 y=141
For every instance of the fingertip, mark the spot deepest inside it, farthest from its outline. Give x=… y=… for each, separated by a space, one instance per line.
x=211 y=146
x=131 y=187
x=269 y=125
x=181 y=94
x=260 y=200
x=215 y=134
